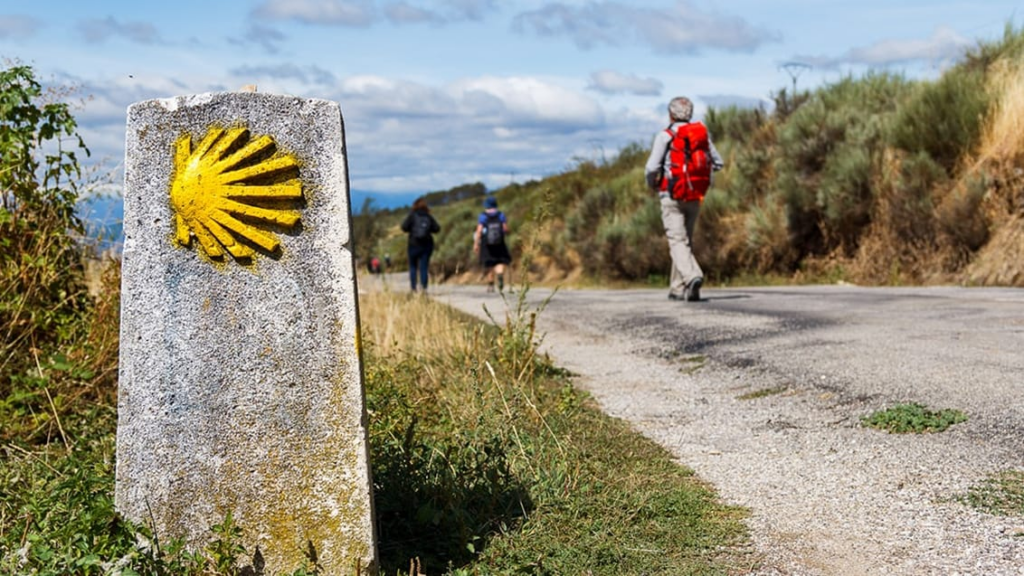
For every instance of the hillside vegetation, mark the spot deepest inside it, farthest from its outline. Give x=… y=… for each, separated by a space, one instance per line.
x=874 y=180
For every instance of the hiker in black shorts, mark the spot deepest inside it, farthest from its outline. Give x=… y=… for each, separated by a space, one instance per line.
x=489 y=243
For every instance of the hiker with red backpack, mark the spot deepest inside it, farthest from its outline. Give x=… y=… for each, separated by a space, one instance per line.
x=679 y=168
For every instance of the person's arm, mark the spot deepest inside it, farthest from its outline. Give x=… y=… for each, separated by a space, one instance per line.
x=435 y=226
x=653 y=168
x=407 y=223
x=716 y=159
x=504 y=223
x=476 y=237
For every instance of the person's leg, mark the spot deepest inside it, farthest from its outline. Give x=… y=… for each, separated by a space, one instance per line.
x=499 y=273
x=695 y=276
x=678 y=248
x=414 y=252
x=425 y=266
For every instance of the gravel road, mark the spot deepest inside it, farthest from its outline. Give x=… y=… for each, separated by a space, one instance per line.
x=827 y=496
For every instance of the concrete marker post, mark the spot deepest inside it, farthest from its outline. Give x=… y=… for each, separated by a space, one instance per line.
x=240 y=372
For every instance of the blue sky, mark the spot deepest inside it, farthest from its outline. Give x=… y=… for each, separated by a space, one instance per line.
x=437 y=93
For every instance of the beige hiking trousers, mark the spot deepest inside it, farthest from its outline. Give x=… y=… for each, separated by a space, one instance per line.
x=679 y=219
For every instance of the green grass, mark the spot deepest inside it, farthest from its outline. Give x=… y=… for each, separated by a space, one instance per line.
x=1001 y=494
x=763 y=393
x=913 y=417
x=692 y=364
x=486 y=460
x=503 y=467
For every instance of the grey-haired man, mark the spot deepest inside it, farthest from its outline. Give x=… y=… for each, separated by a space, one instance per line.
x=678 y=216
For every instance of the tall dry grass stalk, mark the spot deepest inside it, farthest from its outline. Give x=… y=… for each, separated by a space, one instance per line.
x=1003 y=136
x=406 y=325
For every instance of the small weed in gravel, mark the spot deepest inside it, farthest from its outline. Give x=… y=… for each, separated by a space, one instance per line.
x=913 y=417
x=692 y=364
x=1002 y=494
x=754 y=395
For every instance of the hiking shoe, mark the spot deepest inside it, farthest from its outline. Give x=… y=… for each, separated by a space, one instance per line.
x=674 y=296
x=693 y=290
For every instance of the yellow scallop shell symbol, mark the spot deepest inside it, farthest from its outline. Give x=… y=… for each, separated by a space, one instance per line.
x=229 y=189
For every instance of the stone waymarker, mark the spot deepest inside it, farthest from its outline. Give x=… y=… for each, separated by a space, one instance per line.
x=240 y=382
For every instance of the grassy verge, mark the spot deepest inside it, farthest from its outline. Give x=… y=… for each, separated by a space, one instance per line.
x=485 y=458
x=488 y=461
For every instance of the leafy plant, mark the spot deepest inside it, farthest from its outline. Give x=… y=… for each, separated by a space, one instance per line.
x=1002 y=493
x=913 y=417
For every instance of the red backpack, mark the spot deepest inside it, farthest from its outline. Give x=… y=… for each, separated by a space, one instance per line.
x=689 y=156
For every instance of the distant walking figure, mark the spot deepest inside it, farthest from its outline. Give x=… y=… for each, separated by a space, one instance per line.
x=421 y=227
x=680 y=169
x=489 y=243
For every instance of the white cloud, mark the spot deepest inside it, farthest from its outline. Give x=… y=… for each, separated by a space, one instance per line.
x=357 y=13
x=97 y=31
x=405 y=136
x=530 y=101
x=683 y=29
x=265 y=37
x=363 y=13
x=405 y=13
x=470 y=9
x=304 y=74
x=17 y=27
x=943 y=45
x=610 y=82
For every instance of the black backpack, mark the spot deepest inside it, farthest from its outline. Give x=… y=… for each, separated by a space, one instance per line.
x=494 y=232
x=421 y=225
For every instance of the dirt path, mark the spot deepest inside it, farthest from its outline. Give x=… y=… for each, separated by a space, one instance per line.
x=827 y=496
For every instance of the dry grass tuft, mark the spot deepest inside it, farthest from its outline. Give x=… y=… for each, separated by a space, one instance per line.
x=1003 y=136
x=407 y=325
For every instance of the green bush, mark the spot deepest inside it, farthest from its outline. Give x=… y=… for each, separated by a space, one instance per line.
x=42 y=290
x=828 y=150
x=944 y=118
x=633 y=247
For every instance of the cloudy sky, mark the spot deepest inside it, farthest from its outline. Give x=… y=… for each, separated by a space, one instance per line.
x=436 y=93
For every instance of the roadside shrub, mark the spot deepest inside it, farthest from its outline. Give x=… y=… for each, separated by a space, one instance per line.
x=43 y=298
x=633 y=248
x=734 y=124
x=828 y=150
x=42 y=291
x=963 y=224
x=944 y=118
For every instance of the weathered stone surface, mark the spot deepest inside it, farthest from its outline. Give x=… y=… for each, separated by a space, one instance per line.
x=240 y=382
